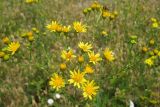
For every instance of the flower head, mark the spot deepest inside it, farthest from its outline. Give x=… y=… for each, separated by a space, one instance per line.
x=96 y=5
x=77 y=78
x=54 y=26
x=50 y=102
x=56 y=82
x=153 y=19
x=149 y=61
x=89 y=89
x=6 y=40
x=106 y=14
x=66 y=29
x=86 y=47
x=155 y=25
x=31 y=1
x=109 y=55
x=2 y=54
x=79 y=27
x=104 y=33
x=67 y=55
x=13 y=47
x=63 y=66
x=80 y=59
x=88 y=69
x=94 y=58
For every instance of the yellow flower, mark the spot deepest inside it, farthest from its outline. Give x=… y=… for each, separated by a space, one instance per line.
x=104 y=33
x=109 y=55
x=31 y=1
x=80 y=59
x=29 y=34
x=6 y=40
x=144 y=49
x=54 y=26
x=79 y=27
x=106 y=14
x=159 y=53
x=31 y=38
x=88 y=69
x=149 y=62
x=67 y=55
x=13 y=47
x=66 y=29
x=86 y=47
x=155 y=51
x=151 y=42
x=155 y=25
x=56 y=82
x=2 y=54
x=6 y=57
x=96 y=5
x=89 y=89
x=153 y=19
x=35 y=30
x=115 y=13
x=63 y=66
x=77 y=78
x=94 y=58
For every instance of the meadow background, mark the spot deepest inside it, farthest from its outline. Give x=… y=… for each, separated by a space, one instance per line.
x=24 y=76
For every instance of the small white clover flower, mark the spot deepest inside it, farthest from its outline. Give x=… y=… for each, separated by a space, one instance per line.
x=50 y=101
x=57 y=96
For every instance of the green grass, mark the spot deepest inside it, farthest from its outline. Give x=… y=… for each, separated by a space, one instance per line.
x=24 y=77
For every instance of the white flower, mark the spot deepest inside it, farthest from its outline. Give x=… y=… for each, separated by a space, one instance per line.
x=50 y=101
x=131 y=103
x=57 y=96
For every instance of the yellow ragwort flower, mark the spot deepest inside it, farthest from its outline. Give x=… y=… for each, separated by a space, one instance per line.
x=153 y=19
x=54 y=26
x=5 y=40
x=90 y=90
x=155 y=25
x=13 y=47
x=159 y=53
x=2 y=54
x=67 y=55
x=66 y=29
x=78 y=27
x=80 y=59
x=94 y=58
x=149 y=61
x=29 y=34
x=88 y=69
x=56 y=82
x=144 y=49
x=109 y=55
x=104 y=33
x=106 y=14
x=86 y=47
x=96 y=5
x=31 y=1
x=77 y=78
x=63 y=66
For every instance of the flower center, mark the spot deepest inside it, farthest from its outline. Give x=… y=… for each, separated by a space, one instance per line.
x=89 y=90
x=78 y=78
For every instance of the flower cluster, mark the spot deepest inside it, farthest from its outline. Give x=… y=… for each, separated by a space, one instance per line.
x=152 y=53
x=9 y=49
x=54 y=26
x=86 y=60
x=105 y=13
x=154 y=22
